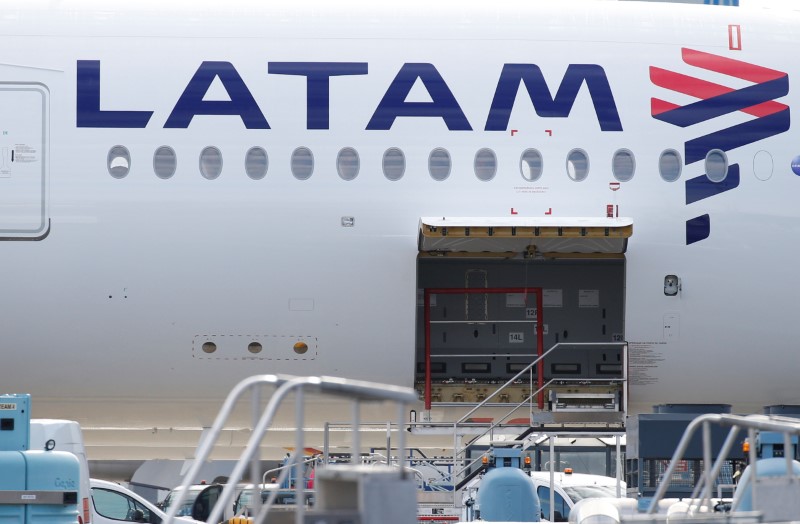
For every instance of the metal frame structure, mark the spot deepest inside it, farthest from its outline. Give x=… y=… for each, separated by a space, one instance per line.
x=354 y=390
x=753 y=423
x=539 y=333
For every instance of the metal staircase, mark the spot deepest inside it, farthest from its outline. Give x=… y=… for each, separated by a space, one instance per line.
x=571 y=404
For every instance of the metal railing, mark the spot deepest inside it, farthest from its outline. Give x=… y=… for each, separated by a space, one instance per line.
x=288 y=465
x=390 y=460
x=357 y=391
x=704 y=489
x=529 y=400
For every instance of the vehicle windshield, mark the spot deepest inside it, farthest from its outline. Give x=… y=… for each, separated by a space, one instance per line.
x=577 y=493
x=242 y=501
x=186 y=507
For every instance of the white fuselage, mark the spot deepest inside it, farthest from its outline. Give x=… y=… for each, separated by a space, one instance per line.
x=104 y=318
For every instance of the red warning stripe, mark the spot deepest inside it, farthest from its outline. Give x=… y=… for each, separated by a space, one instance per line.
x=658 y=106
x=701 y=89
x=729 y=66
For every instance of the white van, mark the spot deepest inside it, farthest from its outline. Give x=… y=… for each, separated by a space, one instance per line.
x=199 y=501
x=65 y=435
x=112 y=503
x=569 y=488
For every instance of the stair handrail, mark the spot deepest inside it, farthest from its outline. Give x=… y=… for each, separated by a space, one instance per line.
x=785 y=425
x=355 y=390
x=491 y=428
x=529 y=400
x=532 y=395
x=494 y=425
x=286 y=466
x=527 y=368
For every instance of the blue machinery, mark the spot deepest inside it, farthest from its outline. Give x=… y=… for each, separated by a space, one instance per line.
x=507 y=493
x=774 y=478
x=653 y=437
x=36 y=487
x=771 y=444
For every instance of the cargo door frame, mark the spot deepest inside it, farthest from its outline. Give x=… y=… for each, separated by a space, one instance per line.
x=539 y=333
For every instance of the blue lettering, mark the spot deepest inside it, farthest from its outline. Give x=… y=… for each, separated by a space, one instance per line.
x=318 y=82
x=88 y=112
x=241 y=101
x=443 y=104
x=394 y=103
x=65 y=483
x=548 y=106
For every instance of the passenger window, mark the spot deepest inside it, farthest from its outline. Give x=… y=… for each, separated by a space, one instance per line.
x=165 y=162
x=716 y=165
x=119 y=161
x=394 y=164
x=256 y=163
x=205 y=502
x=348 y=163
x=211 y=162
x=531 y=165
x=669 y=165
x=302 y=163
x=485 y=164
x=623 y=166
x=117 y=506
x=560 y=505
x=578 y=165
x=544 y=501
x=439 y=164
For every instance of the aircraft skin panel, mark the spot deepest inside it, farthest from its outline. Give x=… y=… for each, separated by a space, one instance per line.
x=136 y=270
